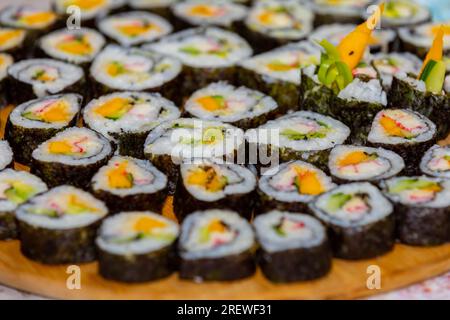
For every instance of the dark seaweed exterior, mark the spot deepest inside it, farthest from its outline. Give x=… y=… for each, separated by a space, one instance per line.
x=434 y=106
x=227 y=268
x=266 y=203
x=135 y=268
x=185 y=203
x=58 y=246
x=315 y=97
x=420 y=226
x=298 y=264
x=326 y=18
x=165 y=164
x=8 y=227
x=131 y=144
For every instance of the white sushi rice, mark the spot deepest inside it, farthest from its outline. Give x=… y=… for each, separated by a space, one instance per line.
x=224 y=12
x=305 y=122
x=10 y=16
x=66 y=75
x=6 y=154
x=311 y=235
x=57 y=199
x=378 y=206
x=101 y=9
x=190 y=249
x=422 y=36
x=241 y=103
x=147 y=70
x=340 y=8
x=278 y=183
x=240 y=180
x=6 y=60
x=96 y=147
x=370 y=91
x=14 y=41
x=74 y=105
x=405 y=63
x=426 y=130
x=295 y=24
x=49 y=44
x=386 y=165
x=147 y=179
x=147 y=112
x=447 y=84
x=9 y=176
x=204 y=40
x=413 y=82
x=120 y=226
x=303 y=54
x=435 y=162
x=110 y=26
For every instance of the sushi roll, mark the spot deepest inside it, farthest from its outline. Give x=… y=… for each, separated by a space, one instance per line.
x=402 y=13
x=36 y=121
x=301 y=135
x=380 y=40
x=239 y=106
x=90 y=10
x=294 y=247
x=14 y=42
x=177 y=141
x=208 y=55
x=129 y=184
x=276 y=73
x=421 y=209
x=219 y=13
x=339 y=11
x=5 y=61
x=356 y=164
x=127 y=118
x=359 y=219
x=291 y=187
x=407 y=133
x=436 y=162
x=214 y=184
x=72 y=156
x=159 y=7
x=16 y=188
x=37 y=78
x=79 y=46
x=216 y=245
x=418 y=39
x=131 y=69
x=134 y=28
x=60 y=226
x=137 y=247
x=6 y=155
x=270 y=24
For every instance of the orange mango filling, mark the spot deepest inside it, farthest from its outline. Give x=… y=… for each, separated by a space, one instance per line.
x=119 y=178
x=86 y=4
x=77 y=47
x=137 y=29
x=212 y=103
x=435 y=52
x=208 y=179
x=147 y=224
x=6 y=36
x=307 y=182
x=57 y=112
x=79 y=206
x=266 y=18
x=60 y=147
x=202 y=10
x=114 y=108
x=217 y=226
x=353 y=158
x=392 y=128
x=38 y=18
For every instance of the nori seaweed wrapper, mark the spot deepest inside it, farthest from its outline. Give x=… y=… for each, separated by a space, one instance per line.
x=298 y=264
x=58 y=246
x=315 y=97
x=228 y=268
x=131 y=143
x=135 y=268
x=170 y=169
x=266 y=203
x=326 y=18
x=8 y=227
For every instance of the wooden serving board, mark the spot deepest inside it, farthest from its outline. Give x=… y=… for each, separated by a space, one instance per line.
x=403 y=266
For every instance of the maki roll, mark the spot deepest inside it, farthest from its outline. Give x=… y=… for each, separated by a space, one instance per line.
x=36 y=121
x=208 y=55
x=418 y=39
x=5 y=61
x=339 y=11
x=37 y=78
x=219 y=13
x=405 y=132
x=214 y=184
x=134 y=28
x=436 y=162
x=272 y=23
x=90 y=10
x=79 y=46
x=128 y=184
x=216 y=245
x=402 y=13
x=176 y=141
x=137 y=247
x=16 y=188
x=127 y=118
x=60 y=226
x=359 y=220
x=160 y=7
x=6 y=155
x=356 y=163
x=294 y=247
x=241 y=107
x=72 y=156
x=130 y=69
x=421 y=209
x=276 y=73
x=300 y=135
x=291 y=187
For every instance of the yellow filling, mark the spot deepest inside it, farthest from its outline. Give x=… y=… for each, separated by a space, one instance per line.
x=86 y=4
x=77 y=47
x=308 y=182
x=114 y=108
x=118 y=178
x=135 y=30
x=210 y=103
x=202 y=10
x=38 y=18
x=60 y=147
x=147 y=224
x=217 y=226
x=391 y=128
x=57 y=112
x=353 y=158
x=7 y=36
x=208 y=179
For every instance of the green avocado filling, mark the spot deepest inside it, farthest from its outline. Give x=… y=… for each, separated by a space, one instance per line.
x=434 y=76
x=413 y=184
x=337 y=201
x=292 y=134
x=19 y=192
